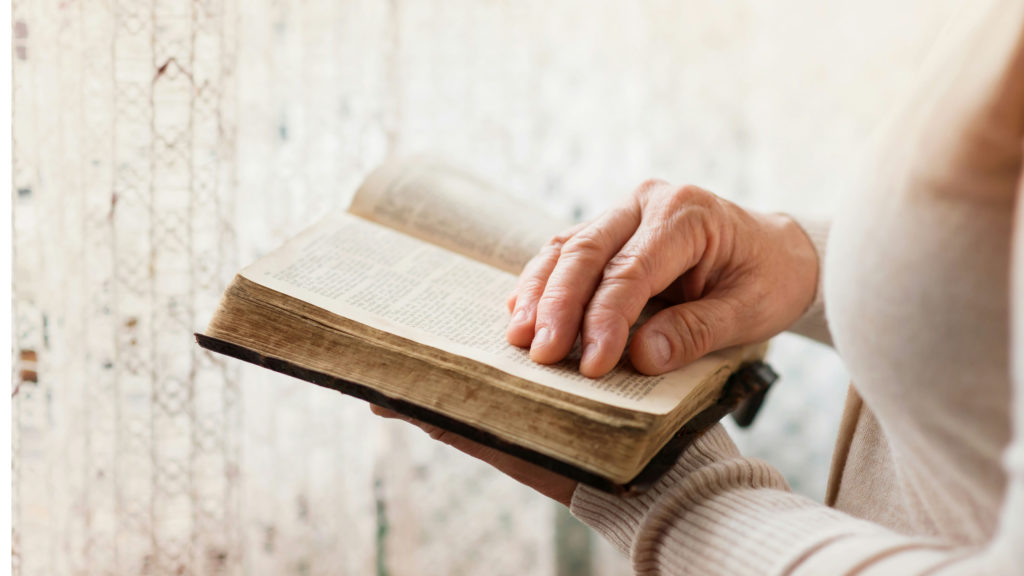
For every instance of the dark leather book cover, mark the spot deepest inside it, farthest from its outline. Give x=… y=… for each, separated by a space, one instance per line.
x=745 y=388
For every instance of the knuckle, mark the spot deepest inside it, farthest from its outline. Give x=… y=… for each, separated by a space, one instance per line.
x=647 y=187
x=531 y=285
x=603 y=312
x=555 y=297
x=529 y=291
x=689 y=195
x=695 y=332
x=586 y=243
x=691 y=191
x=552 y=247
x=689 y=208
x=557 y=241
x=628 y=266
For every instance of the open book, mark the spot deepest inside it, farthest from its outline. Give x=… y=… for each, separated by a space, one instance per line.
x=401 y=301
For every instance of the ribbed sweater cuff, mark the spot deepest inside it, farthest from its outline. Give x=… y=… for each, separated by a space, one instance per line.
x=716 y=512
x=618 y=518
x=813 y=324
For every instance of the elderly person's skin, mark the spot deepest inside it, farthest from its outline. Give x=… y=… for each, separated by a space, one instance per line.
x=733 y=277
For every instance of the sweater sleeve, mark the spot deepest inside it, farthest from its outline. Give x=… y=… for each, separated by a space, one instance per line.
x=717 y=512
x=813 y=324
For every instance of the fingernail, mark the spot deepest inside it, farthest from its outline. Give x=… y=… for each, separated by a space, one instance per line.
x=541 y=338
x=519 y=317
x=659 y=348
x=590 y=350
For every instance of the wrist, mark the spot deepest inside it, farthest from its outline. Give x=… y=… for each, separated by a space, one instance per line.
x=805 y=261
x=813 y=324
x=789 y=265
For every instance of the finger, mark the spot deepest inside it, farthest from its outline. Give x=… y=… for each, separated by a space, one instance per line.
x=522 y=303
x=573 y=280
x=544 y=481
x=665 y=246
x=528 y=290
x=385 y=412
x=681 y=334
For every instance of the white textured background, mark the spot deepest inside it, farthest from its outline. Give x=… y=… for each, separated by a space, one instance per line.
x=159 y=145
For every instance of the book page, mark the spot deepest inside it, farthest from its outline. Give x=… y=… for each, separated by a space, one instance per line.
x=394 y=283
x=444 y=206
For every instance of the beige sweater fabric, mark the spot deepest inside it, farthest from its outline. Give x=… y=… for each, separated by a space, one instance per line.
x=928 y=476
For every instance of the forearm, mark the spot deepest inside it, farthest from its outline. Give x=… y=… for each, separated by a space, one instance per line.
x=714 y=513
x=719 y=513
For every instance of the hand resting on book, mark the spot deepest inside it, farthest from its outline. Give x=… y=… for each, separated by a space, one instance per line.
x=735 y=277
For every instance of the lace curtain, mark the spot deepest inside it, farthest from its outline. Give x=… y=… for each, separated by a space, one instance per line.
x=159 y=145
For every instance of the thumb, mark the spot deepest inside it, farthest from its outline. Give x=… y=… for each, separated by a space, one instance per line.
x=681 y=334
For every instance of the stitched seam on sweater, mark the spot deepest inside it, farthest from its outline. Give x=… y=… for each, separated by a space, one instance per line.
x=792 y=564
x=844 y=441
x=951 y=559
x=883 y=554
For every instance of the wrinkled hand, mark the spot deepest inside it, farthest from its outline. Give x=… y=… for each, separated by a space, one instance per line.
x=735 y=276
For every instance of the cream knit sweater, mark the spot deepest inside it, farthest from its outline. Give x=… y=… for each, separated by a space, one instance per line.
x=928 y=475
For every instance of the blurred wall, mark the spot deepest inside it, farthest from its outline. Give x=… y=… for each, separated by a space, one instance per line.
x=159 y=146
